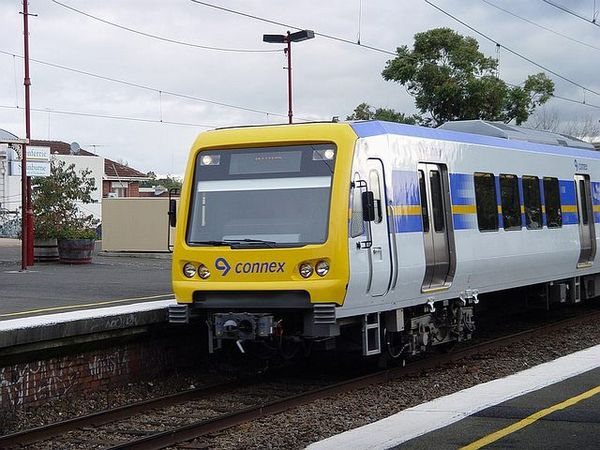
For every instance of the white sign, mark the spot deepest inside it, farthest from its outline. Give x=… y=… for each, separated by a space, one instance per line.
x=34 y=168
x=38 y=153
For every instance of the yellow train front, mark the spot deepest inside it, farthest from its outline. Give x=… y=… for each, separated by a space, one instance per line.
x=262 y=233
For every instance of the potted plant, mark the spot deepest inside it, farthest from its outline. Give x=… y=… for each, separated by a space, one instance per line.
x=58 y=221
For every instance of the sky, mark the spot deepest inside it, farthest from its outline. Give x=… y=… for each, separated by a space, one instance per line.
x=155 y=129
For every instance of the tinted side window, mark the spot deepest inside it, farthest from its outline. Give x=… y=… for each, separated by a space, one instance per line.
x=424 y=208
x=375 y=187
x=511 y=205
x=533 y=204
x=584 y=205
x=357 y=225
x=485 y=198
x=552 y=198
x=437 y=202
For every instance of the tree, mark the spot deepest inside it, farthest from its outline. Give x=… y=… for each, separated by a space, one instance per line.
x=451 y=79
x=585 y=127
x=55 y=201
x=364 y=111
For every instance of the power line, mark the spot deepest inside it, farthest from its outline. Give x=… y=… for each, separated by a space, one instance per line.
x=108 y=116
x=510 y=50
x=388 y=52
x=573 y=13
x=540 y=26
x=161 y=38
x=148 y=88
x=282 y=24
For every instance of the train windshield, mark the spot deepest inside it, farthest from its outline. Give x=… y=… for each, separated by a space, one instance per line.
x=268 y=196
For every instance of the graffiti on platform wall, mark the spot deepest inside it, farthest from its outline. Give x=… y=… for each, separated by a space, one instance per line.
x=109 y=365
x=21 y=384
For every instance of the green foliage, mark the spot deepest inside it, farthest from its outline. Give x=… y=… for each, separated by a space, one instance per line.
x=168 y=182
x=55 y=201
x=451 y=79
x=76 y=233
x=364 y=111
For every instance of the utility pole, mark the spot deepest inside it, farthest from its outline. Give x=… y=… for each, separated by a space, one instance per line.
x=289 y=73
x=26 y=207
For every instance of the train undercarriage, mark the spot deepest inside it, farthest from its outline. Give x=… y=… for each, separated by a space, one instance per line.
x=396 y=334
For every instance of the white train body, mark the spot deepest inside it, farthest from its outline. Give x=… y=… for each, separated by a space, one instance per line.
x=409 y=225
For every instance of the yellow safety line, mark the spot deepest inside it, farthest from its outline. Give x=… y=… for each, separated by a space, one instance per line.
x=493 y=437
x=86 y=305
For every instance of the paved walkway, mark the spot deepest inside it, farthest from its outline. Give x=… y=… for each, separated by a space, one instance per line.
x=52 y=287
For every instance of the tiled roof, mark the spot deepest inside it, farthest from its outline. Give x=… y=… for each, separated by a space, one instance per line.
x=112 y=168
x=59 y=147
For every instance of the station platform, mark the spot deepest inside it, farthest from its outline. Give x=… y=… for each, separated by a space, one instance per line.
x=555 y=405
x=52 y=302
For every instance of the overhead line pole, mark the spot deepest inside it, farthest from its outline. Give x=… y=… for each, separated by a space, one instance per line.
x=27 y=212
x=289 y=72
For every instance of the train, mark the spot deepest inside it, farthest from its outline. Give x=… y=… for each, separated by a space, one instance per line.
x=377 y=233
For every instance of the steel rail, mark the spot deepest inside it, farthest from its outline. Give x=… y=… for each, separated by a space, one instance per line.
x=204 y=427
x=111 y=415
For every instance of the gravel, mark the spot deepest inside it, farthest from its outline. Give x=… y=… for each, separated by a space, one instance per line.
x=324 y=418
x=318 y=420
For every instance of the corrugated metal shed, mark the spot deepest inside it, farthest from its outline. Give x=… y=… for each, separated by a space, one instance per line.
x=513 y=132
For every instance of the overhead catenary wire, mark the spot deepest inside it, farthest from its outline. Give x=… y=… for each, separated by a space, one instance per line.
x=388 y=52
x=541 y=26
x=573 y=13
x=148 y=88
x=161 y=38
x=556 y=74
x=109 y=116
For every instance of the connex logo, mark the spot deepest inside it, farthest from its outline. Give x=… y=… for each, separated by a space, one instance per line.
x=249 y=267
x=580 y=166
x=223 y=265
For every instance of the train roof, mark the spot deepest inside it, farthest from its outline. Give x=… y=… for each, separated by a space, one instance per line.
x=374 y=128
x=513 y=132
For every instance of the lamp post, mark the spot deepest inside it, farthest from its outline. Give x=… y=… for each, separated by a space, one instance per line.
x=288 y=38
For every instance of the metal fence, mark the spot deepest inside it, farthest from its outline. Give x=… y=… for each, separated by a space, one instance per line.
x=10 y=224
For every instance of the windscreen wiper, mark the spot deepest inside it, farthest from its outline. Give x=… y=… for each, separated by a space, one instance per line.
x=214 y=243
x=237 y=242
x=246 y=241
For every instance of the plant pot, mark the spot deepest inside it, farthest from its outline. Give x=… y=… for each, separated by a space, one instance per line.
x=45 y=250
x=76 y=251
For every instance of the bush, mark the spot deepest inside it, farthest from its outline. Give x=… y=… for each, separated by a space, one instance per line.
x=55 y=200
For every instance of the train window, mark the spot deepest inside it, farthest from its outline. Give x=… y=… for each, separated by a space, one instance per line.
x=437 y=203
x=532 y=201
x=374 y=185
x=485 y=198
x=584 y=205
x=357 y=224
x=552 y=199
x=511 y=204
x=424 y=207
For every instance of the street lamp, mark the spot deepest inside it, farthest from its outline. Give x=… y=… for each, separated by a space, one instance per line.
x=288 y=38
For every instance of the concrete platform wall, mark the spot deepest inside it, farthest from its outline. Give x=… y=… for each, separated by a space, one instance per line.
x=73 y=373
x=135 y=225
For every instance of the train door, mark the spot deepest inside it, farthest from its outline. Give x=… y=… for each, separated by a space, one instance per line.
x=438 y=236
x=587 y=234
x=380 y=256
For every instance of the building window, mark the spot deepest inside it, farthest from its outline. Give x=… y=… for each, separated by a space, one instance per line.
x=485 y=199
x=511 y=204
x=532 y=201
x=118 y=189
x=552 y=200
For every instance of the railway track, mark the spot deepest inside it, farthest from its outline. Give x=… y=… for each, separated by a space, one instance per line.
x=232 y=404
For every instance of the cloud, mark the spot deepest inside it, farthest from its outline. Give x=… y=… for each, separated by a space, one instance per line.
x=330 y=77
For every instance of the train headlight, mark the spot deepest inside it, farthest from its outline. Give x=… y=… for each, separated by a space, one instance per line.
x=306 y=270
x=203 y=272
x=189 y=270
x=210 y=160
x=322 y=268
